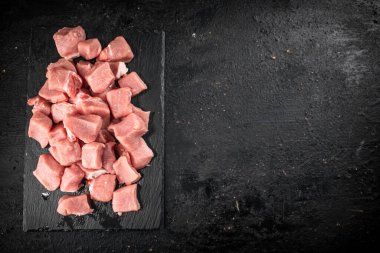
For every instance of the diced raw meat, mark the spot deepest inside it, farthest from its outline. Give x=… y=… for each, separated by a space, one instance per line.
x=83 y=94
x=64 y=80
x=101 y=188
x=125 y=199
x=89 y=49
x=52 y=95
x=117 y=50
x=39 y=127
x=119 y=101
x=134 y=82
x=56 y=134
x=125 y=173
x=70 y=136
x=105 y=136
x=84 y=127
x=104 y=93
x=61 y=110
x=71 y=179
x=119 y=69
x=84 y=67
x=91 y=174
x=108 y=157
x=76 y=205
x=66 y=152
x=93 y=105
x=61 y=63
x=122 y=151
x=144 y=115
x=48 y=172
x=142 y=155
x=67 y=39
x=40 y=105
x=92 y=155
x=100 y=77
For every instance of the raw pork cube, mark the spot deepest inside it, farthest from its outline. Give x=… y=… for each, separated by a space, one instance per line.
x=76 y=205
x=100 y=77
x=71 y=179
x=61 y=63
x=61 y=110
x=134 y=82
x=40 y=105
x=39 y=127
x=105 y=136
x=89 y=49
x=52 y=95
x=117 y=50
x=92 y=155
x=108 y=157
x=56 y=134
x=122 y=151
x=66 y=152
x=104 y=93
x=84 y=127
x=48 y=172
x=91 y=173
x=102 y=187
x=83 y=94
x=94 y=105
x=119 y=69
x=67 y=39
x=125 y=199
x=144 y=115
x=142 y=155
x=125 y=173
x=64 y=80
x=84 y=67
x=119 y=101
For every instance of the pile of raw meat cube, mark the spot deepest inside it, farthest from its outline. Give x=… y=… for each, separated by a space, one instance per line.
x=84 y=114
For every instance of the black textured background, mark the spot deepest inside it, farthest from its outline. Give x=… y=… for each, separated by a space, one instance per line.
x=272 y=124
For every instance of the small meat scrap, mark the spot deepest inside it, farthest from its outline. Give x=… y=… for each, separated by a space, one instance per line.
x=92 y=154
x=84 y=127
x=74 y=205
x=100 y=77
x=67 y=39
x=141 y=155
x=134 y=82
x=101 y=188
x=71 y=179
x=89 y=49
x=66 y=152
x=125 y=199
x=39 y=127
x=56 y=134
x=125 y=173
x=40 y=105
x=48 y=172
x=119 y=101
x=117 y=50
x=52 y=95
x=119 y=69
x=60 y=111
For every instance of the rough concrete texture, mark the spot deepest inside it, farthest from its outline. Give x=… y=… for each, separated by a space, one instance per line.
x=272 y=124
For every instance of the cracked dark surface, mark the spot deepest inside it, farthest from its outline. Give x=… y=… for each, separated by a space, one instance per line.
x=272 y=124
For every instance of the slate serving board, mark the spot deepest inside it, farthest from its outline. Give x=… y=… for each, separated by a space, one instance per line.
x=39 y=212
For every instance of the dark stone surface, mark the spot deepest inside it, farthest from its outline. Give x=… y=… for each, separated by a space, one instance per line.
x=40 y=212
x=262 y=154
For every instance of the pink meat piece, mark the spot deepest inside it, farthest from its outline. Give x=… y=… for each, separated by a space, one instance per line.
x=83 y=94
x=70 y=136
x=119 y=69
x=71 y=179
x=101 y=188
x=56 y=134
x=95 y=105
x=89 y=49
x=144 y=115
x=66 y=152
x=67 y=39
x=117 y=50
x=100 y=77
x=84 y=67
x=108 y=157
x=52 y=95
x=91 y=173
x=125 y=173
x=105 y=136
x=141 y=155
x=74 y=205
x=122 y=151
x=92 y=155
x=103 y=95
x=40 y=105
x=125 y=199
x=119 y=101
x=61 y=63
x=48 y=172
x=134 y=82
x=39 y=127
x=84 y=127
x=60 y=111
x=64 y=80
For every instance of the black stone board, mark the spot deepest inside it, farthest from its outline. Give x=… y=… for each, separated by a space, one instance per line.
x=39 y=211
